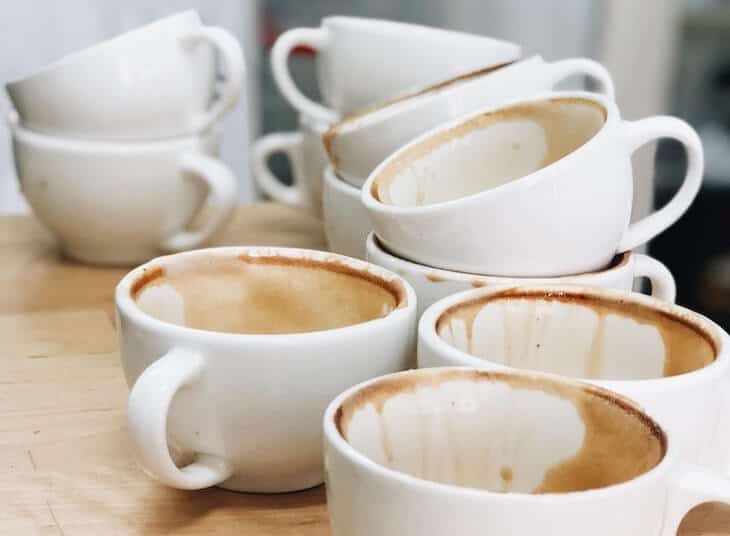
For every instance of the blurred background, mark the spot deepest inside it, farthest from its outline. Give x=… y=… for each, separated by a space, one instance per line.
x=666 y=56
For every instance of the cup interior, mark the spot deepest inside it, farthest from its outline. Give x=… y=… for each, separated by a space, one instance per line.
x=264 y=294
x=500 y=432
x=578 y=335
x=488 y=151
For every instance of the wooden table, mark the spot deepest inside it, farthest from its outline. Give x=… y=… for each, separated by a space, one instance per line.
x=65 y=462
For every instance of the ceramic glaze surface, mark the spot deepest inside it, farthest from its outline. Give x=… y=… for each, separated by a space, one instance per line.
x=229 y=399
x=513 y=191
x=346 y=222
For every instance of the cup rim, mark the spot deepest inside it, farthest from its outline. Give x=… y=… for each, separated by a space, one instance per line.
x=620 y=262
x=372 y=203
x=35 y=138
x=74 y=57
x=127 y=305
x=356 y=122
x=714 y=334
x=355 y=457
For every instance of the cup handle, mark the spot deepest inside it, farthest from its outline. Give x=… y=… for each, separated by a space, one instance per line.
x=222 y=186
x=663 y=286
x=234 y=66
x=691 y=487
x=637 y=134
x=560 y=70
x=315 y=38
x=149 y=404
x=288 y=143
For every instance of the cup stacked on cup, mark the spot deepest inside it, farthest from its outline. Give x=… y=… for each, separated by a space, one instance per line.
x=535 y=190
x=116 y=145
x=355 y=71
x=358 y=143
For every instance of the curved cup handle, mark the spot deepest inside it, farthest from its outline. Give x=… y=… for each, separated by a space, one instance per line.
x=662 y=282
x=637 y=134
x=288 y=143
x=234 y=66
x=149 y=404
x=315 y=38
x=691 y=487
x=223 y=190
x=560 y=70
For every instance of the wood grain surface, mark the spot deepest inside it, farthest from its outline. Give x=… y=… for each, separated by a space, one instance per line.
x=65 y=461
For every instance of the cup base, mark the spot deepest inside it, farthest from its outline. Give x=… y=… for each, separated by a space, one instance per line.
x=244 y=485
x=110 y=255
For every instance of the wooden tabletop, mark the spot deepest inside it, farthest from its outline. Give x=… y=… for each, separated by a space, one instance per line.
x=65 y=461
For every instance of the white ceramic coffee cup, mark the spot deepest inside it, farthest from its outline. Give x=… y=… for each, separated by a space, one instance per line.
x=357 y=63
x=307 y=160
x=468 y=452
x=539 y=187
x=346 y=222
x=125 y=203
x=433 y=284
x=156 y=81
x=358 y=143
x=672 y=361
x=232 y=355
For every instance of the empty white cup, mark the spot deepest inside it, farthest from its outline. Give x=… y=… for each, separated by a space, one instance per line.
x=364 y=61
x=475 y=453
x=154 y=82
x=232 y=355
x=539 y=187
x=124 y=203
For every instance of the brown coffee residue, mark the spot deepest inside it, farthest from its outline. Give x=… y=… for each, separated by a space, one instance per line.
x=274 y=294
x=620 y=442
x=435 y=278
x=568 y=124
x=506 y=474
x=478 y=283
x=616 y=448
x=148 y=276
x=688 y=346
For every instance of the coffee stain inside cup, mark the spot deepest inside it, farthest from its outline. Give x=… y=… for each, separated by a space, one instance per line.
x=265 y=294
x=530 y=334
x=615 y=431
x=535 y=131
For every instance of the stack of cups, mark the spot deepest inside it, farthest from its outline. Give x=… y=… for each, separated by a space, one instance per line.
x=357 y=70
x=116 y=145
x=537 y=190
x=358 y=143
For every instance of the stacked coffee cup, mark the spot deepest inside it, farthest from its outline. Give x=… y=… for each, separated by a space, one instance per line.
x=357 y=70
x=116 y=145
x=535 y=190
x=495 y=178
